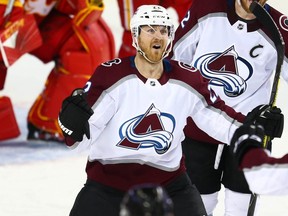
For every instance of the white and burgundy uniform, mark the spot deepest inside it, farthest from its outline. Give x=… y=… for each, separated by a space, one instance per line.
x=265 y=174
x=137 y=126
x=238 y=58
x=140 y=121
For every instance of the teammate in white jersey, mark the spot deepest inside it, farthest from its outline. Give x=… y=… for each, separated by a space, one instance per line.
x=230 y=47
x=132 y=114
x=264 y=174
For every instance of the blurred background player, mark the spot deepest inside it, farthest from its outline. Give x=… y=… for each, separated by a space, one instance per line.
x=146 y=200
x=234 y=51
x=76 y=39
x=127 y=9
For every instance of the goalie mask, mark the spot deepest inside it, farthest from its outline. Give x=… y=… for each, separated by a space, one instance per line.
x=151 y=15
x=146 y=200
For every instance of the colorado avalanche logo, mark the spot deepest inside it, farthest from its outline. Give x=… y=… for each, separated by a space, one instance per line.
x=283 y=21
x=148 y=131
x=222 y=70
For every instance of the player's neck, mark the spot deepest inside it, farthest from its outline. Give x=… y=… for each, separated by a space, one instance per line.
x=241 y=12
x=147 y=69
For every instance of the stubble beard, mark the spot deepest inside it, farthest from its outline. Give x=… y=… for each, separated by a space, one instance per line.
x=154 y=56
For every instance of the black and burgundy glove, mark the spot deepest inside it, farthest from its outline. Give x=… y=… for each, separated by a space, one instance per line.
x=74 y=115
x=271 y=118
x=246 y=137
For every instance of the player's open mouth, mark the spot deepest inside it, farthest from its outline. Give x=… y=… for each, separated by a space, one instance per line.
x=157 y=46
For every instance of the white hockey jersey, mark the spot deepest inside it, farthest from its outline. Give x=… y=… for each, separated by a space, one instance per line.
x=236 y=56
x=139 y=121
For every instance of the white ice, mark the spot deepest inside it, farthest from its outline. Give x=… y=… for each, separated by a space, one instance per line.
x=43 y=180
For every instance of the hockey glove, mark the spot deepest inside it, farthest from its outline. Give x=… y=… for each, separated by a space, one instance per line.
x=269 y=117
x=74 y=115
x=246 y=137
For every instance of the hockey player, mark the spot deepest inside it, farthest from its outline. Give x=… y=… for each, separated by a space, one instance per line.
x=143 y=200
x=131 y=118
x=76 y=39
x=264 y=174
x=230 y=47
x=127 y=8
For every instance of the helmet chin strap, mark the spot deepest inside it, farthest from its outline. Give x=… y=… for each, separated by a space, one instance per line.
x=147 y=59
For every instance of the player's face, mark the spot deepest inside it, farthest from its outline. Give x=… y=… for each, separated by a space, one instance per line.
x=246 y=4
x=153 y=41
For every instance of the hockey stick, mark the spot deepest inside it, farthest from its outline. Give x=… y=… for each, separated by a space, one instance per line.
x=264 y=17
x=266 y=20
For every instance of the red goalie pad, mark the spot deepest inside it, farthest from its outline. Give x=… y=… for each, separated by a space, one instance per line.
x=21 y=37
x=8 y=127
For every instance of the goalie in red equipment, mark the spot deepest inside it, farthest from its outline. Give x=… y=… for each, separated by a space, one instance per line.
x=127 y=8
x=77 y=39
x=77 y=45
